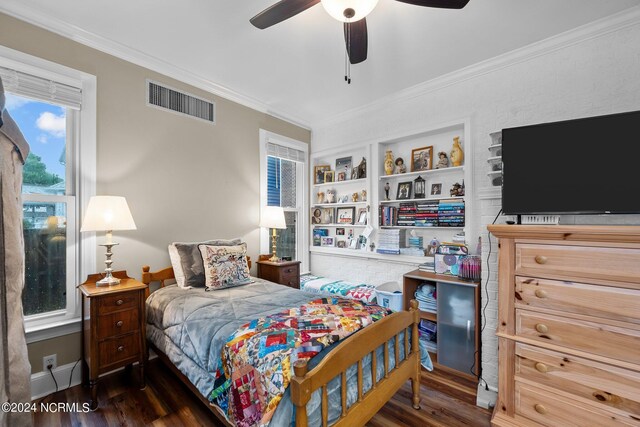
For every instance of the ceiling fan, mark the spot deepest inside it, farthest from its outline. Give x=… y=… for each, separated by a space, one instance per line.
x=352 y=12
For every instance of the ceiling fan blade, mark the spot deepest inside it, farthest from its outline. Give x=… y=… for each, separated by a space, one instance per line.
x=443 y=4
x=355 y=37
x=281 y=11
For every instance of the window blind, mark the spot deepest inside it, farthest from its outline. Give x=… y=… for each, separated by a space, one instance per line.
x=286 y=153
x=35 y=87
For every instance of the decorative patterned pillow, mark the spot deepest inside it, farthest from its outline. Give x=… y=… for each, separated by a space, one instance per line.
x=225 y=266
x=187 y=261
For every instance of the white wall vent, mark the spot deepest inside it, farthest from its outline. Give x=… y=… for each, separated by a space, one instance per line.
x=162 y=96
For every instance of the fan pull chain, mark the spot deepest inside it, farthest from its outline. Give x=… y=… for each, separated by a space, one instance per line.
x=347 y=63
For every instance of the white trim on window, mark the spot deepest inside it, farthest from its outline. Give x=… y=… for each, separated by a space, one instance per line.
x=302 y=173
x=82 y=180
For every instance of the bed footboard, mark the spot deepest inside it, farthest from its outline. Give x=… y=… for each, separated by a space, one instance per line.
x=351 y=352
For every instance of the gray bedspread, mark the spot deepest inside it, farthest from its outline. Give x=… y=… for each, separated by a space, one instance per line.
x=191 y=326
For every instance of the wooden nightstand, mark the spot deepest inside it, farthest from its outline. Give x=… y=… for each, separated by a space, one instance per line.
x=113 y=328
x=284 y=272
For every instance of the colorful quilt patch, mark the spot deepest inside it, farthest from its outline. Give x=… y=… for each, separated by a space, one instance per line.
x=256 y=363
x=362 y=292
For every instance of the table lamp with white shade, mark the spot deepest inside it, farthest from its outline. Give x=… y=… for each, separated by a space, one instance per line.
x=108 y=213
x=273 y=217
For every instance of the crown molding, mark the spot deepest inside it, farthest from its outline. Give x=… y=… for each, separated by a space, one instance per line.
x=32 y=16
x=601 y=27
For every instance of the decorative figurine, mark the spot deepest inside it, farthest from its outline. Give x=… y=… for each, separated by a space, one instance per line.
x=457 y=155
x=388 y=163
x=362 y=169
x=443 y=161
x=433 y=247
x=354 y=197
x=400 y=167
x=387 y=187
x=320 y=199
x=331 y=196
x=363 y=195
x=457 y=190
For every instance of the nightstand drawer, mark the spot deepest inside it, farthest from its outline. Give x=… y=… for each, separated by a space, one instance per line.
x=118 y=323
x=117 y=302
x=117 y=350
x=290 y=279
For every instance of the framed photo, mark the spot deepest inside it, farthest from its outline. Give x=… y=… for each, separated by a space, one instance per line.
x=362 y=216
x=341 y=244
x=421 y=158
x=404 y=190
x=436 y=189
x=321 y=216
x=342 y=176
x=345 y=215
x=318 y=173
x=327 y=241
x=328 y=176
x=344 y=165
x=318 y=233
x=339 y=231
x=353 y=244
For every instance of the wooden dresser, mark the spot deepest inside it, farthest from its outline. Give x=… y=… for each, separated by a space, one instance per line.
x=568 y=326
x=283 y=272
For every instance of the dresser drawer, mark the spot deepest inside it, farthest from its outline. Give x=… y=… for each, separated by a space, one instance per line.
x=117 y=350
x=118 y=323
x=593 y=300
x=592 y=337
x=290 y=279
x=602 y=263
x=121 y=301
x=553 y=410
x=609 y=386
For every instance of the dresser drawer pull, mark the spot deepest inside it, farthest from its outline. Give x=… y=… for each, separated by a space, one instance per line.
x=119 y=323
x=541 y=367
x=542 y=328
x=290 y=282
x=121 y=348
x=540 y=408
x=541 y=293
x=541 y=259
x=119 y=302
x=289 y=270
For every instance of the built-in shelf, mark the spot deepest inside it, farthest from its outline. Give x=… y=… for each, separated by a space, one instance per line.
x=495 y=147
x=428 y=315
x=426 y=172
x=338 y=205
x=349 y=181
x=338 y=225
x=414 y=227
x=494 y=159
x=405 y=259
x=419 y=200
x=495 y=173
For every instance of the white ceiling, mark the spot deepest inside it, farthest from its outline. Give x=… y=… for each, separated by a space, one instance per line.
x=296 y=68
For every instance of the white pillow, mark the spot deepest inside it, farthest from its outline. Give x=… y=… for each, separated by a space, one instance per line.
x=177 y=265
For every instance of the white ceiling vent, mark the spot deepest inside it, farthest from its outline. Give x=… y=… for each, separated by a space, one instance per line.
x=162 y=96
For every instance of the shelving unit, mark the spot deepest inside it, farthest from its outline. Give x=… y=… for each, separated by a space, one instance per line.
x=457 y=319
x=450 y=169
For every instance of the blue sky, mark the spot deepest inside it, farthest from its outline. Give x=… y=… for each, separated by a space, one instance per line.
x=43 y=125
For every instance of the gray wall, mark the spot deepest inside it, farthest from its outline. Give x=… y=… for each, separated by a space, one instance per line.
x=183 y=179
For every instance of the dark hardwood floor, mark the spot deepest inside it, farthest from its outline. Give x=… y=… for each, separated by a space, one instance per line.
x=445 y=401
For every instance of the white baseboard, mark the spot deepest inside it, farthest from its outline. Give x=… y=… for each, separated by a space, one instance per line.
x=42 y=384
x=486 y=398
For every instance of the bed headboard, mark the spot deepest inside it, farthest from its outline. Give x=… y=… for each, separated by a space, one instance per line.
x=162 y=275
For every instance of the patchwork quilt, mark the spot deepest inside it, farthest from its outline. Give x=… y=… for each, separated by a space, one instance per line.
x=322 y=285
x=256 y=363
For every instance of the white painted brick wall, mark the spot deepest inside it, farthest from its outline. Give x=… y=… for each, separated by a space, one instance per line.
x=596 y=76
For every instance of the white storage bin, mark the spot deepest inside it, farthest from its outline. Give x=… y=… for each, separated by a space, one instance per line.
x=390 y=295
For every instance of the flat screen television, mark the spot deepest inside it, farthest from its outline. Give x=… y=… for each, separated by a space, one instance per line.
x=584 y=166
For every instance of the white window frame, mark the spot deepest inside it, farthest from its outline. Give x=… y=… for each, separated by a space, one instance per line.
x=81 y=178
x=302 y=196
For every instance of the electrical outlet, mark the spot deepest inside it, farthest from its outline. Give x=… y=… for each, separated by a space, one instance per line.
x=49 y=360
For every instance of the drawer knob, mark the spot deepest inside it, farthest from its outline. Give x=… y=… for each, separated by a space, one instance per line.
x=289 y=270
x=541 y=293
x=542 y=328
x=541 y=259
x=119 y=323
x=121 y=348
x=540 y=409
x=541 y=367
x=119 y=302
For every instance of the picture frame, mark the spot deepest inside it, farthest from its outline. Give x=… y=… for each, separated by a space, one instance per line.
x=318 y=233
x=321 y=216
x=436 y=189
x=404 y=190
x=353 y=243
x=341 y=244
x=344 y=165
x=340 y=232
x=345 y=215
x=362 y=216
x=327 y=241
x=422 y=159
x=318 y=173
x=342 y=176
x=329 y=176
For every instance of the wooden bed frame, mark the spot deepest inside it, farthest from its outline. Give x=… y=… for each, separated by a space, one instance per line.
x=349 y=352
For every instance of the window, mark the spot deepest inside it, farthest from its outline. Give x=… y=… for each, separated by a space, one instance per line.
x=283 y=178
x=52 y=105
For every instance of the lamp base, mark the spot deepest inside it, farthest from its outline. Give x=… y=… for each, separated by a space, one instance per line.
x=109 y=280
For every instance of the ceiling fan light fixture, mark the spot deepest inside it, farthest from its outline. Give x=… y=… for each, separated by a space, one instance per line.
x=349 y=10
